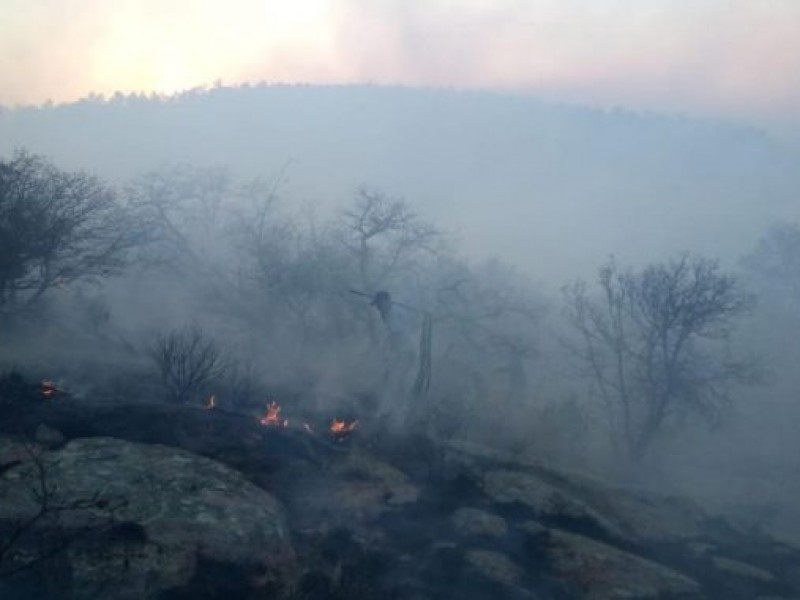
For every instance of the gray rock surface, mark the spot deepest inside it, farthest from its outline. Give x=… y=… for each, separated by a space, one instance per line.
x=468 y=522
x=739 y=569
x=606 y=573
x=368 y=520
x=143 y=518
x=495 y=566
x=619 y=513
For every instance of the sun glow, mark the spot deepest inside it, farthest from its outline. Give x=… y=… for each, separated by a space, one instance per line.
x=171 y=46
x=659 y=54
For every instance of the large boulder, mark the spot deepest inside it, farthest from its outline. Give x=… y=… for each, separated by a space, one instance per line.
x=578 y=502
x=356 y=490
x=473 y=522
x=604 y=573
x=546 y=501
x=135 y=521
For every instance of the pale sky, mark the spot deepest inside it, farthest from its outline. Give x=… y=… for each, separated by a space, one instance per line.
x=737 y=58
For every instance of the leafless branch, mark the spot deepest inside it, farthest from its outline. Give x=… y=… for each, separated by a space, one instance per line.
x=650 y=341
x=186 y=359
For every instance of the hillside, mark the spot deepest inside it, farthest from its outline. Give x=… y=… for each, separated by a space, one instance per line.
x=512 y=176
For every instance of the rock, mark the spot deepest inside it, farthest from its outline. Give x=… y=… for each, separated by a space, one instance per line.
x=364 y=525
x=150 y=518
x=495 y=566
x=647 y=518
x=356 y=490
x=13 y=451
x=390 y=483
x=49 y=437
x=534 y=529
x=593 y=507
x=700 y=549
x=468 y=522
x=604 y=573
x=547 y=501
x=740 y=569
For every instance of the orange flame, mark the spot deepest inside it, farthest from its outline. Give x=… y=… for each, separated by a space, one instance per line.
x=272 y=416
x=211 y=402
x=340 y=429
x=49 y=389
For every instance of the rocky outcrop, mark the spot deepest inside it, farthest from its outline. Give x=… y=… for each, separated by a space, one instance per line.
x=604 y=542
x=370 y=517
x=578 y=501
x=136 y=520
x=602 y=572
x=473 y=522
x=546 y=502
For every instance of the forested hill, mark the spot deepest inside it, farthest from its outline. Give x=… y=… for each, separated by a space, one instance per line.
x=551 y=187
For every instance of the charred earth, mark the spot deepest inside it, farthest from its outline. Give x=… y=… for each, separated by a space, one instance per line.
x=153 y=501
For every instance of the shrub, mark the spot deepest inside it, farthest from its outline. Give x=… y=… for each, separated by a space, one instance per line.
x=187 y=361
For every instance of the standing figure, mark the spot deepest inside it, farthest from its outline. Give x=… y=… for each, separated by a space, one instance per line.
x=401 y=323
x=399 y=353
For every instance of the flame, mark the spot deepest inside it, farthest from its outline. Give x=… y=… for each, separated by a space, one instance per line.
x=340 y=429
x=211 y=402
x=49 y=389
x=272 y=416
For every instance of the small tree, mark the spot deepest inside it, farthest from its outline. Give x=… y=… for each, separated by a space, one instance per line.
x=655 y=344
x=55 y=228
x=187 y=360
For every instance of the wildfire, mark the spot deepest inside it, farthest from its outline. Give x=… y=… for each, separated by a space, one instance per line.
x=49 y=389
x=341 y=429
x=211 y=402
x=272 y=416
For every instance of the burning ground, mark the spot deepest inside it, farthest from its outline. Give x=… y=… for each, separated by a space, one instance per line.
x=171 y=502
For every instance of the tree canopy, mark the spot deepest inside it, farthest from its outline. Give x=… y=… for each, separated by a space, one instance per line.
x=56 y=227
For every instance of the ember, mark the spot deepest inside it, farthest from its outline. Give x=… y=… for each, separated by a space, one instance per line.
x=49 y=389
x=272 y=416
x=341 y=429
x=211 y=402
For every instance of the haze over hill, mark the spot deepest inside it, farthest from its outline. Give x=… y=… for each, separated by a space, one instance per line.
x=552 y=188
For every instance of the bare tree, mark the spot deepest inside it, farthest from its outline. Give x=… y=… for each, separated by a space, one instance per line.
x=287 y=267
x=55 y=227
x=187 y=360
x=655 y=344
x=206 y=229
x=385 y=236
x=183 y=209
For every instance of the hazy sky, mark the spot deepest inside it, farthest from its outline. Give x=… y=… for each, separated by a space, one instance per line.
x=718 y=57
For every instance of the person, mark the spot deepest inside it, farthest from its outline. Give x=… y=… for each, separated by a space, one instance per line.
x=402 y=392
x=399 y=326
